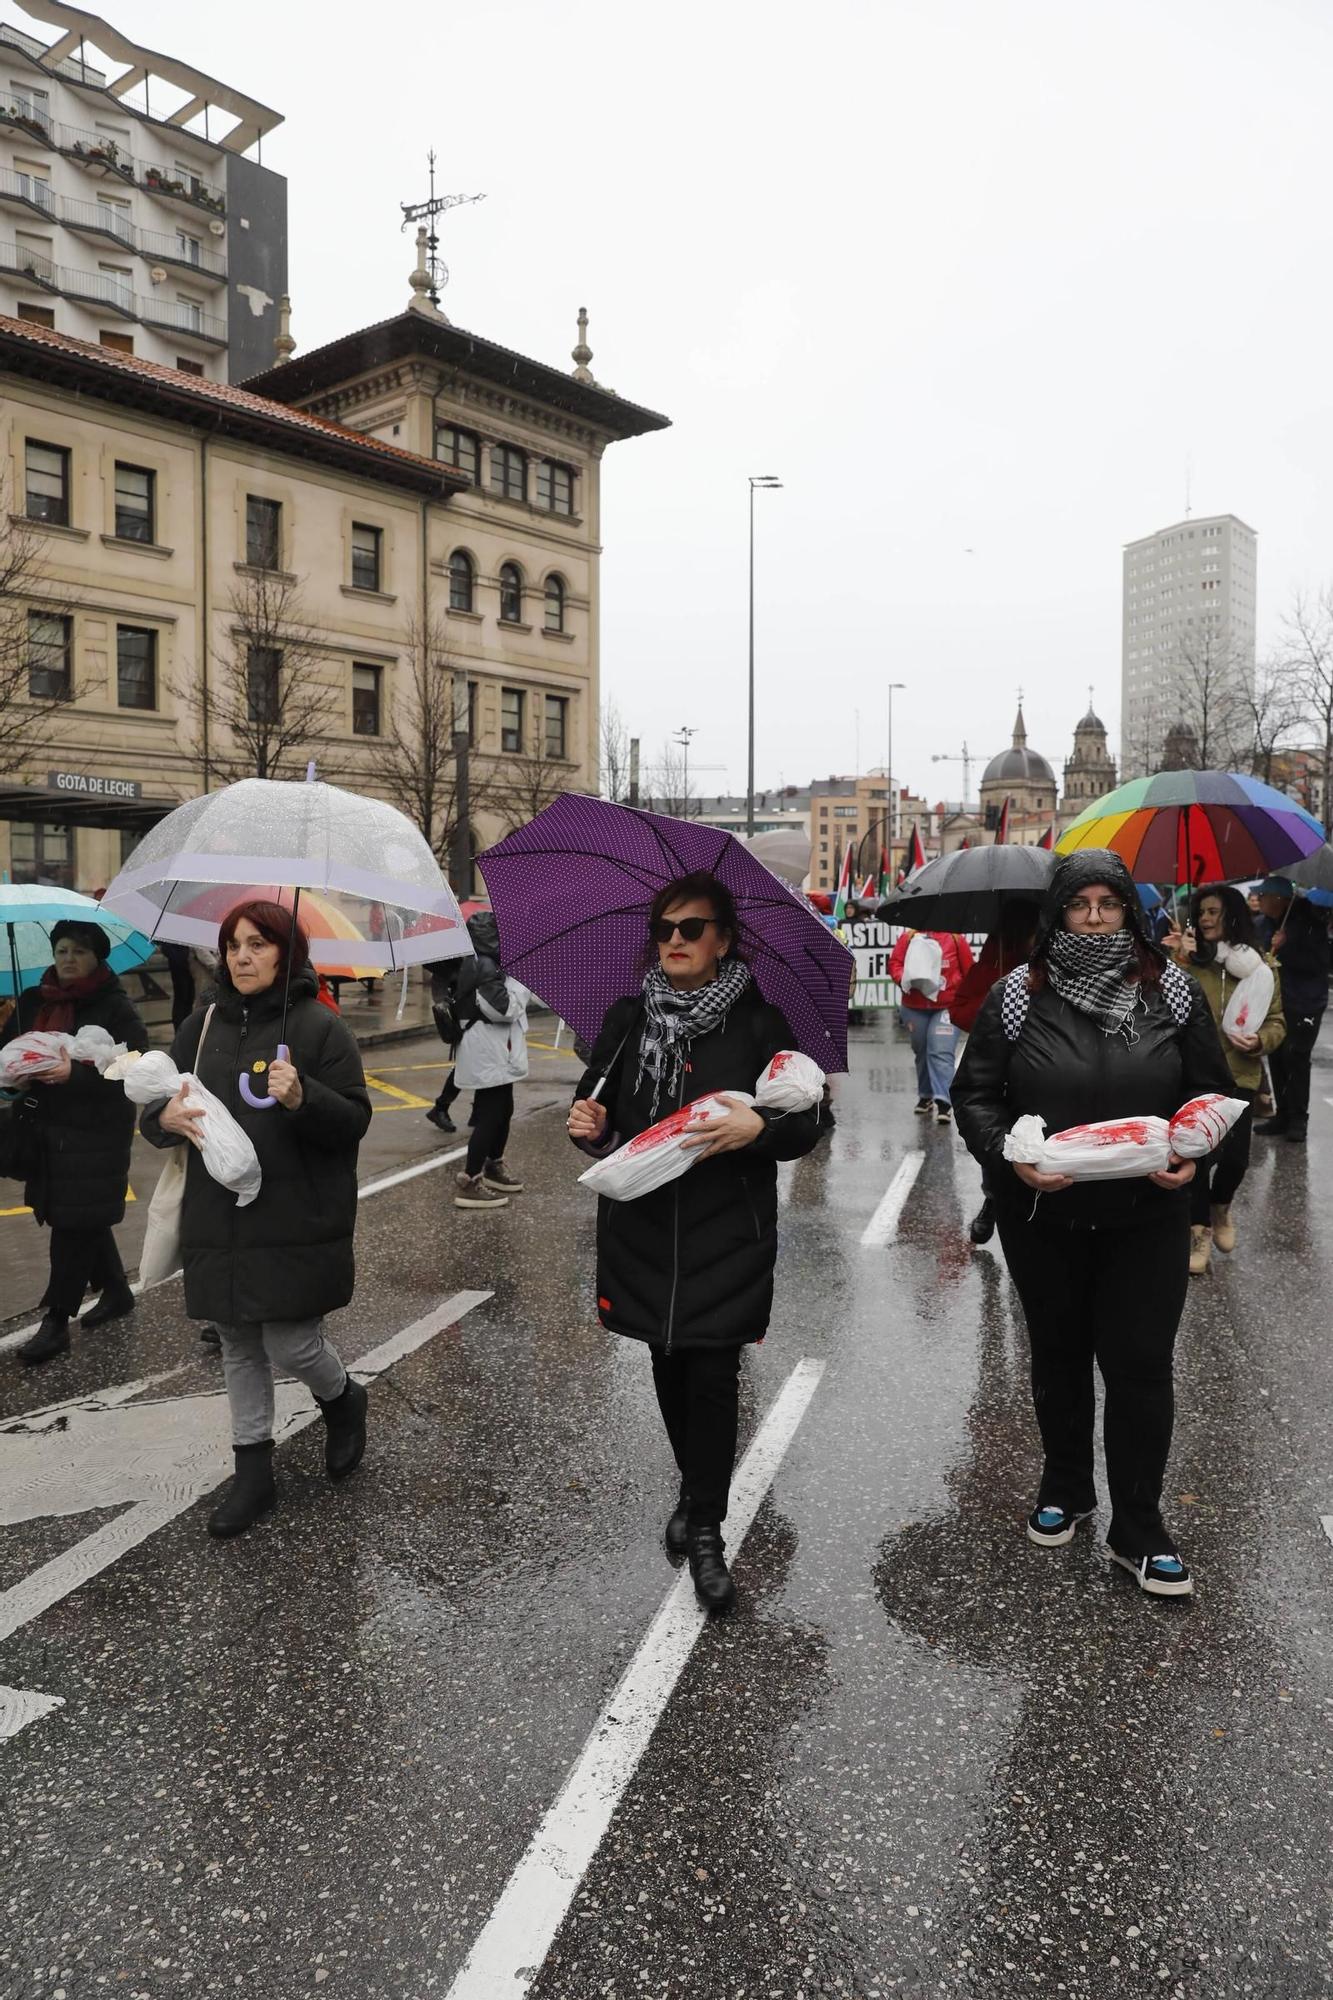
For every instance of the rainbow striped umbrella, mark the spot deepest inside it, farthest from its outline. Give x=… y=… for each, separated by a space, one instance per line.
x=1188 y=827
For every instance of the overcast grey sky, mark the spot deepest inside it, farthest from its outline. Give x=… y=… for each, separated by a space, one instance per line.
x=967 y=274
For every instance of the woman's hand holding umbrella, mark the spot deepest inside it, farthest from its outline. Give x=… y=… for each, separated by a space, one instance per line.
x=587 y=1121
x=285 y=1085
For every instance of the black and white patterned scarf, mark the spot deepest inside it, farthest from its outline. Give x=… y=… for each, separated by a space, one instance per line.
x=672 y=1018
x=1089 y=972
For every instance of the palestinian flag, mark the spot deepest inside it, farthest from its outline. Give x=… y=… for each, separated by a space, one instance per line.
x=1002 y=830
x=916 y=854
x=868 y=890
x=885 y=878
x=844 y=888
x=1048 y=838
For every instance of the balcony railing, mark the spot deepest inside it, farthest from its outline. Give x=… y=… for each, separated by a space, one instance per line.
x=26 y=114
x=171 y=250
x=184 y=319
x=183 y=187
x=27 y=190
x=98 y=288
x=96 y=150
x=77 y=72
x=100 y=218
x=25 y=263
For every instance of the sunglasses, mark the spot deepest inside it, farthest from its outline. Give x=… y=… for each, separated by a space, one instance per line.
x=690 y=928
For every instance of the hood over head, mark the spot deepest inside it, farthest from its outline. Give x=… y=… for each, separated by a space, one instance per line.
x=484 y=932
x=1079 y=871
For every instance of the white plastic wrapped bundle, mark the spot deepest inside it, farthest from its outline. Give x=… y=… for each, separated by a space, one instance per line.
x=1247 y=1008
x=1124 y=1148
x=228 y=1153
x=923 y=966
x=41 y=1051
x=791 y=1082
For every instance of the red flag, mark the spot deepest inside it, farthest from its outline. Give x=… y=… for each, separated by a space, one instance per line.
x=1048 y=838
x=916 y=853
x=967 y=842
x=1002 y=830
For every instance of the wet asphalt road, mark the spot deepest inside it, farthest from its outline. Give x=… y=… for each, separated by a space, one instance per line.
x=923 y=1758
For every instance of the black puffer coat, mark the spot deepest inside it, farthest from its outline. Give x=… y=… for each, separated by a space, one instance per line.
x=288 y=1255
x=82 y=1130
x=1066 y=1070
x=691 y=1265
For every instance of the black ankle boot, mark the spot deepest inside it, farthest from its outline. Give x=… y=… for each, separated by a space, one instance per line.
x=115 y=1302
x=345 y=1416
x=50 y=1339
x=708 y=1566
x=982 y=1227
x=677 y=1536
x=251 y=1495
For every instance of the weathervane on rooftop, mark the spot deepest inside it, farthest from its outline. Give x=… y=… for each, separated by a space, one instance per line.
x=426 y=211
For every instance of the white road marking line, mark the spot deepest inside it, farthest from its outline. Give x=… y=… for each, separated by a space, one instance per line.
x=20 y=1706
x=884 y=1221
x=187 y=1457
x=509 y=1953
x=427 y=1166
x=1327 y=1521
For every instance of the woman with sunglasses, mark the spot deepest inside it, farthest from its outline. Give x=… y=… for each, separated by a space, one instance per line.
x=688 y=1269
x=1099 y=1024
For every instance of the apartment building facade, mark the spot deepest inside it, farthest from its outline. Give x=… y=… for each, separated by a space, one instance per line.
x=132 y=210
x=1187 y=635
x=167 y=507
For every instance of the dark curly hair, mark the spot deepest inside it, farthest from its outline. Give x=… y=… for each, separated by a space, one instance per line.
x=1237 y=922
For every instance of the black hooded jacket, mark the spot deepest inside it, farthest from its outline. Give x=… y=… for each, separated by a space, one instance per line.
x=288 y=1254
x=1063 y=1068
x=481 y=974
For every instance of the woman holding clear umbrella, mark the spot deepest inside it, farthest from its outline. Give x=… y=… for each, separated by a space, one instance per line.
x=289 y=1070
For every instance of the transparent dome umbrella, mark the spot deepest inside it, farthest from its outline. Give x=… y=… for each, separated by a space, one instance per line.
x=366 y=859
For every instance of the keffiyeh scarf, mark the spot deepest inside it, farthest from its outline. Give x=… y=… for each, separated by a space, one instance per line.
x=1090 y=973
x=671 y=1019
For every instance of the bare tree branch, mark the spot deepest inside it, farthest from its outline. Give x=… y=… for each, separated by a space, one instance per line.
x=666 y=783
x=524 y=786
x=36 y=656
x=1307 y=658
x=413 y=761
x=272 y=698
x=1212 y=684
x=615 y=755
x=1274 y=713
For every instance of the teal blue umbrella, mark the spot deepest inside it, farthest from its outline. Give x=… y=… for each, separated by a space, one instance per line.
x=29 y=913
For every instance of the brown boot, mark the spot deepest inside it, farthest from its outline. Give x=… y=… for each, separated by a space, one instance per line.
x=1201 y=1249
x=1224 y=1229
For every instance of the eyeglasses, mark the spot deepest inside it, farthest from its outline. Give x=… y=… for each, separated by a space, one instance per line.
x=690 y=928
x=1081 y=907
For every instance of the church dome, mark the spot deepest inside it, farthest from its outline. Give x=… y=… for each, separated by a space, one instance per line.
x=1091 y=721
x=1018 y=765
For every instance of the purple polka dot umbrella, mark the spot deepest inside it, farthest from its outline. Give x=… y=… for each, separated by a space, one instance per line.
x=571 y=892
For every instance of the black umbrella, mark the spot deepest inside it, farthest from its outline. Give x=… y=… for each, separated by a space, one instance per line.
x=967 y=891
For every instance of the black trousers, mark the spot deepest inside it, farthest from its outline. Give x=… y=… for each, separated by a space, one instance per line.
x=1115 y=1297
x=1217 y=1178
x=82 y=1260
x=697 y=1393
x=492 y=1115
x=1290 y=1067
x=448 y=1092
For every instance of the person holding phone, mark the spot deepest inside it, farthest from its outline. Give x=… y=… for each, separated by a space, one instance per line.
x=1219 y=945
x=688 y=1269
x=1099 y=1024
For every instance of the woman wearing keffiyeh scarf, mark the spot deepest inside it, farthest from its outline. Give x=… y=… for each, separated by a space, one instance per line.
x=1097 y=1026
x=688 y=1269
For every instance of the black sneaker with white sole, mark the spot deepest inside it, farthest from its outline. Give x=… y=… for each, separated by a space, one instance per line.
x=923 y=1107
x=1160 y=1576
x=1052 y=1527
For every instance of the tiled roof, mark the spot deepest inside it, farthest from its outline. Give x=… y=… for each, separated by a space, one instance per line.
x=124 y=376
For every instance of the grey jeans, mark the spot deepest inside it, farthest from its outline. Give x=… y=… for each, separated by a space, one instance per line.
x=252 y=1353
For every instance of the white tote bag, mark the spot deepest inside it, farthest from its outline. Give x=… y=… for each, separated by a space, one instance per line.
x=161 y=1253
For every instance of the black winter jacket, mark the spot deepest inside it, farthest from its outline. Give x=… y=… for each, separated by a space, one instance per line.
x=82 y=1130
x=481 y=975
x=691 y=1265
x=288 y=1255
x=1304 y=958
x=1063 y=1068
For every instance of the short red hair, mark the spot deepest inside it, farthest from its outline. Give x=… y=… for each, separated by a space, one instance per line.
x=273 y=923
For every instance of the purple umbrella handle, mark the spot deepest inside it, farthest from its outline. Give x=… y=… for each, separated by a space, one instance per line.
x=262 y=1103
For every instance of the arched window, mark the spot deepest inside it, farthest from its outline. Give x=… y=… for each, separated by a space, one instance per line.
x=461 y=580
x=555 y=604
x=511 y=594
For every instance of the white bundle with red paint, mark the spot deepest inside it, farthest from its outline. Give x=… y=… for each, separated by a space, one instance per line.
x=1247 y=1009
x=791 y=1082
x=42 y=1051
x=228 y=1152
x=1124 y=1148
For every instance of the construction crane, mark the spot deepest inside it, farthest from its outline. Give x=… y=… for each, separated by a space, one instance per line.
x=967 y=760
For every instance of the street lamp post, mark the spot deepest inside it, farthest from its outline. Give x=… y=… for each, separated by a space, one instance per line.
x=769 y=481
x=893 y=796
x=682 y=736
